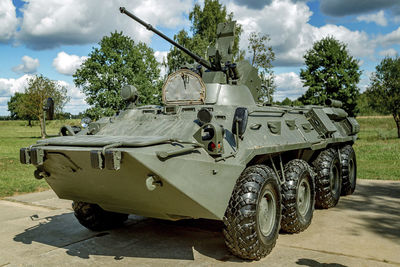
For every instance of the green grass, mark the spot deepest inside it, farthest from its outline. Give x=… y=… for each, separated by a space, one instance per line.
x=378 y=149
x=378 y=152
x=15 y=177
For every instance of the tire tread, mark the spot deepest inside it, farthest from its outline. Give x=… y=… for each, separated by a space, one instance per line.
x=291 y=222
x=324 y=198
x=345 y=153
x=240 y=217
x=93 y=217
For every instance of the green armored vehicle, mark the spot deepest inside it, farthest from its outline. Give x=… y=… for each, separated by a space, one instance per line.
x=211 y=151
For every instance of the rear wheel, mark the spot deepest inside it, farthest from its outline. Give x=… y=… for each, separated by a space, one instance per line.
x=252 y=218
x=93 y=217
x=298 y=196
x=349 y=170
x=328 y=182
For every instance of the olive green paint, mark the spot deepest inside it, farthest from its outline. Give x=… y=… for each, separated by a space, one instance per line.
x=159 y=161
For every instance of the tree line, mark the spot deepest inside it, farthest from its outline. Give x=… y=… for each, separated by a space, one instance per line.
x=330 y=72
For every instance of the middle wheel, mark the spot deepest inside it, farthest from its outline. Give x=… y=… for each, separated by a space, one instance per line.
x=298 y=196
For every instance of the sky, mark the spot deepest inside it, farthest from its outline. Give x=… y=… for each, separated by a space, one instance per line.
x=53 y=38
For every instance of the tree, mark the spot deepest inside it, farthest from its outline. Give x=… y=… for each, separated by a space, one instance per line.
x=16 y=110
x=36 y=93
x=368 y=108
x=331 y=72
x=384 y=89
x=286 y=102
x=262 y=57
x=13 y=105
x=117 y=62
x=204 y=33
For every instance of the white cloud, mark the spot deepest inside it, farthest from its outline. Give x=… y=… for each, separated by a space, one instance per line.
x=388 y=52
x=283 y=21
x=67 y=64
x=391 y=38
x=379 y=18
x=3 y=100
x=161 y=56
x=76 y=105
x=358 y=42
x=72 y=91
x=291 y=35
x=8 y=20
x=288 y=85
x=80 y=22
x=9 y=87
x=29 y=65
x=77 y=102
x=364 y=81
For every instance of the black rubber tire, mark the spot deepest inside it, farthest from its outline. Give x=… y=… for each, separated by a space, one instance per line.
x=297 y=173
x=243 y=235
x=326 y=165
x=349 y=170
x=93 y=217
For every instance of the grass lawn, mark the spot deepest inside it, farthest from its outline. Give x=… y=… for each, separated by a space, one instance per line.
x=378 y=149
x=378 y=152
x=15 y=177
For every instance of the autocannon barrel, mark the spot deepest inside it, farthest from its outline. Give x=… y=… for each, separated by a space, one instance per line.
x=149 y=27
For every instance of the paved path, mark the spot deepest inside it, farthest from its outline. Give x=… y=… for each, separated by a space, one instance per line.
x=40 y=230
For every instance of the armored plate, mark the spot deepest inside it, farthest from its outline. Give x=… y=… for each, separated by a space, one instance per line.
x=184 y=87
x=184 y=159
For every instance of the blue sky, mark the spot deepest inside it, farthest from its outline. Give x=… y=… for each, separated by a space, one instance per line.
x=54 y=37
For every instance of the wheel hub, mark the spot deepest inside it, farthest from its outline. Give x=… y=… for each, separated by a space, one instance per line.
x=334 y=179
x=267 y=212
x=303 y=197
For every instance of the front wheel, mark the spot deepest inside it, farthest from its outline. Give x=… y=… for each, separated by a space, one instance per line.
x=253 y=216
x=93 y=217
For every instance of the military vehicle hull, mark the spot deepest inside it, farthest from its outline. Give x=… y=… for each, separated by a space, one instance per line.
x=181 y=192
x=212 y=151
x=190 y=184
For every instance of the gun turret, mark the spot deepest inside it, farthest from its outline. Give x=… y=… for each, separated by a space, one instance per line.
x=149 y=27
x=221 y=68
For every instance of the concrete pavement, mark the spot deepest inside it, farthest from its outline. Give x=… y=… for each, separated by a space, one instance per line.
x=40 y=230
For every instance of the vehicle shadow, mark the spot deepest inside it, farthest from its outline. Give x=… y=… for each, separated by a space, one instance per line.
x=314 y=263
x=377 y=205
x=140 y=237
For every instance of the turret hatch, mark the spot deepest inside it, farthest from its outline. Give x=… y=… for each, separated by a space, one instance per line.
x=184 y=87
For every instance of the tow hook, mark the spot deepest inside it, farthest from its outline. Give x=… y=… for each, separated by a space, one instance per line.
x=40 y=174
x=152 y=182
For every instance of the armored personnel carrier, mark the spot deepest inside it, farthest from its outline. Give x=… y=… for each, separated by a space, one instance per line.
x=211 y=151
